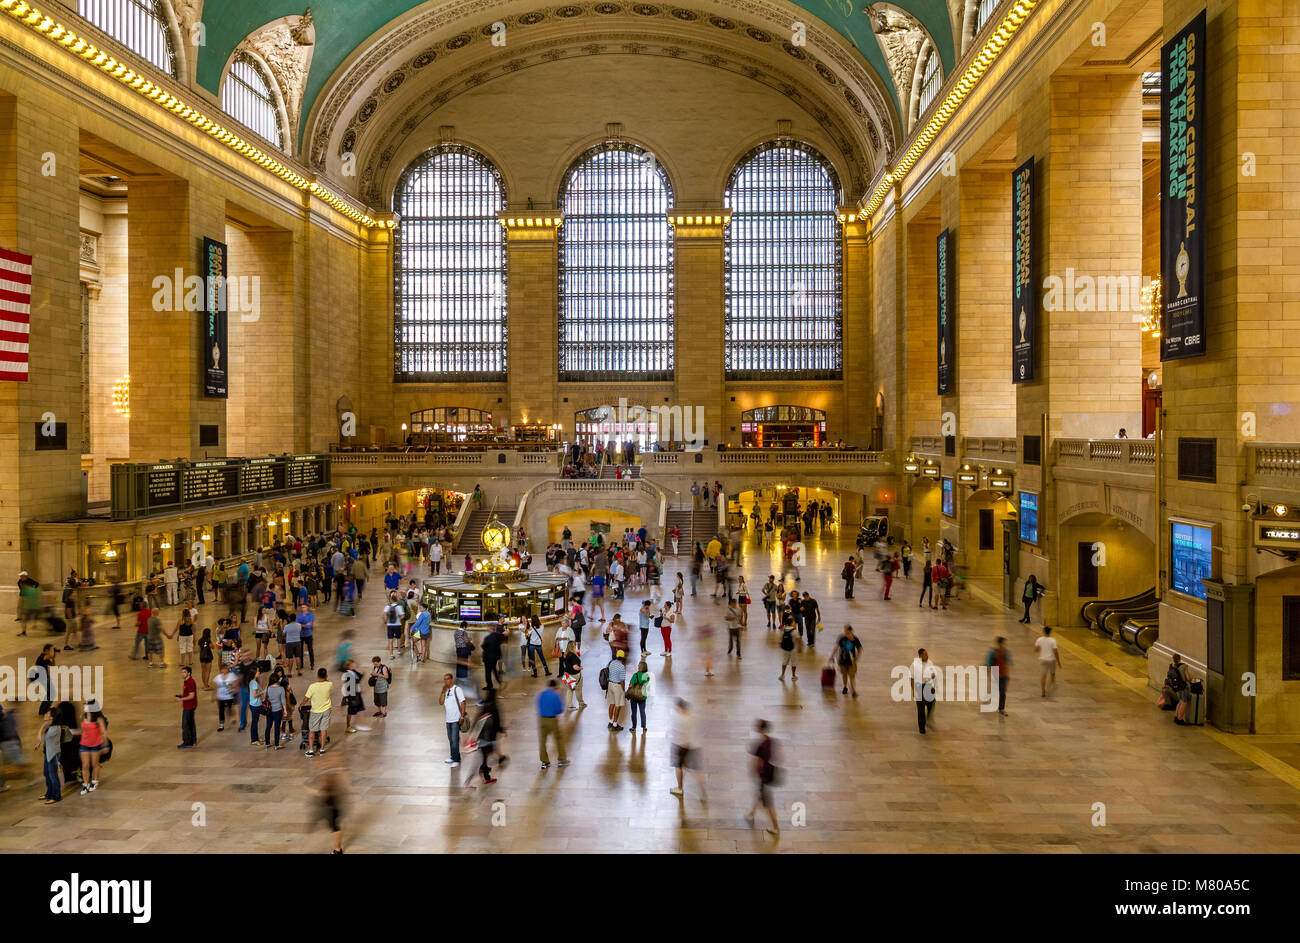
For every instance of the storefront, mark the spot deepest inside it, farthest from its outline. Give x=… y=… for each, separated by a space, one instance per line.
x=615 y=425
x=783 y=427
x=443 y=425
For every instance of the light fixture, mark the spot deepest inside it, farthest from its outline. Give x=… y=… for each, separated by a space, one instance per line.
x=285 y=519
x=911 y=465
x=122 y=396
x=109 y=552
x=1280 y=510
x=1152 y=302
x=165 y=545
x=206 y=536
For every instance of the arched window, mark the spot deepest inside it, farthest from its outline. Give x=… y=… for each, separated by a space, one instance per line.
x=783 y=304
x=931 y=82
x=139 y=25
x=449 y=291
x=616 y=267
x=246 y=97
x=986 y=10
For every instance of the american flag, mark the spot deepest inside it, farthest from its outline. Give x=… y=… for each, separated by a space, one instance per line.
x=15 y=313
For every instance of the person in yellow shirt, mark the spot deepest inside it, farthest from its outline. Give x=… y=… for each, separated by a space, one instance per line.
x=713 y=550
x=321 y=694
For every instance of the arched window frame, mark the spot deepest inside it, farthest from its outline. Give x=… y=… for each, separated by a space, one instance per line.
x=260 y=109
x=780 y=354
x=931 y=80
x=635 y=354
x=484 y=359
x=141 y=26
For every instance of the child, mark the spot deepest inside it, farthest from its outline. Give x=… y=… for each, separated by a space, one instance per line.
x=679 y=590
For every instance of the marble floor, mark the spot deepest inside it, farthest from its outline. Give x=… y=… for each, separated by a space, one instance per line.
x=858 y=775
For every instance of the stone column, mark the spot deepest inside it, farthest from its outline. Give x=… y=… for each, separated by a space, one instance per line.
x=699 y=346
x=858 y=406
x=167 y=223
x=39 y=216
x=532 y=351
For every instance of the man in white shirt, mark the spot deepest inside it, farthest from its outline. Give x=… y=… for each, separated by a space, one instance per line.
x=171 y=579
x=925 y=677
x=205 y=573
x=453 y=705
x=435 y=557
x=686 y=747
x=1049 y=657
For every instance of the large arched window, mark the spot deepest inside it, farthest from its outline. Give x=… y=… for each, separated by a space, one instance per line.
x=783 y=304
x=616 y=267
x=246 y=96
x=931 y=82
x=139 y=25
x=449 y=291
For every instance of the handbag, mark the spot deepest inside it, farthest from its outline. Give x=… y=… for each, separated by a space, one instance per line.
x=570 y=680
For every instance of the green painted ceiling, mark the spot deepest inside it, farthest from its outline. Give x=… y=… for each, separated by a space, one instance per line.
x=342 y=24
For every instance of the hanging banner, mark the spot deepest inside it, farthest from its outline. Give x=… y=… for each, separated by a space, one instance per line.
x=946 y=351
x=1182 y=175
x=214 y=267
x=1024 y=312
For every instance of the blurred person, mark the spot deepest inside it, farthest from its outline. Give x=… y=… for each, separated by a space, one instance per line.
x=492 y=644
x=572 y=676
x=847 y=651
x=763 y=750
x=549 y=708
x=999 y=657
x=924 y=678
x=329 y=790
x=733 y=629
x=788 y=653
x=153 y=645
x=352 y=698
x=50 y=740
x=533 y=633
x=489 y=727
x=685 y=748
x=464 y=646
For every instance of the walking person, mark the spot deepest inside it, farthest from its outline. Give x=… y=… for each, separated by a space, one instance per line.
x=769 y=601
x=888 y=566
x=638 y=694
x=924 y=677
x=489 y=729
x=571 y=675
x=666 y=620
x=788 y=653
x=686 y=749
x=276 y=699
x=733 y=629
x=189 y=698
x=847 y=651
x=812 y=613
x=999 y=657
x=763 y=750
x=50 y=742
x=927 y=580
x=330 y=793
x=1030 y=595
x=453 y=706
x=94 y=737
x=549 y=708
x=381 y=676
x=534 y=635
x=1049 y=657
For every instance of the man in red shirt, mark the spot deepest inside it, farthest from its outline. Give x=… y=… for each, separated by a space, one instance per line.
x=189 y=698
x=141 y=631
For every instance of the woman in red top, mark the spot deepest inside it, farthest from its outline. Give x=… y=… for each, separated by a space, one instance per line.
x=94 y=735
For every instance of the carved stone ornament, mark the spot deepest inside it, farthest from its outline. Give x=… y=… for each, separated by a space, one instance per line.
x=900 y=36
x=287 y=45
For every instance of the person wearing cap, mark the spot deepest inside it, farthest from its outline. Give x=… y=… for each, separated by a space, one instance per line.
x=616 y=692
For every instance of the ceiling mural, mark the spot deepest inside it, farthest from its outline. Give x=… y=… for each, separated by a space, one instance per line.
x=349 y=29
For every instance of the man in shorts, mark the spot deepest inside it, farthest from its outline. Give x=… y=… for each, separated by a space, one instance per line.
x=1049 y=657
x=685 y=748
x=320 y=695
x=769 y=601
x=616 y=692
x=394 y=614
x=293 y=648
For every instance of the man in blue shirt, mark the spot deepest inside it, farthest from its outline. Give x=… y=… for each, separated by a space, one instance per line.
x=420 y=633
x=549 y=709
x=392 y=579
x=307 y=623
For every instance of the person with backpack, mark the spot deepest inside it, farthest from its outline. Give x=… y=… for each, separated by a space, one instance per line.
x=848 y=573
x=613 y=681
x=888 y=565
x=638 y=694
x=1177 y=684
x=381 y=676
x=394 y=614
x=788 y=652
x=492 y=645
x=453 y=706
x=847 y=650
x=571 y=675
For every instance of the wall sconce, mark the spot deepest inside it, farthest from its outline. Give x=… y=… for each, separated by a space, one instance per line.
x=911 y=465
x=285 y=519
x=966 y=476
x=122 y=396
x=109 y=552
x=165 y=545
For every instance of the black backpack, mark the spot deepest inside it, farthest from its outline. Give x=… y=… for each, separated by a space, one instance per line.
x=787 y=640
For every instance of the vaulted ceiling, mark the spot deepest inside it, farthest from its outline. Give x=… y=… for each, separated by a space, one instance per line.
x=354 y=97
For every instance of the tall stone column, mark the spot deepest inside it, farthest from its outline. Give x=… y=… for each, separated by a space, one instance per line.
x=859 y=404
x=39 y=217
x=699 y=345
x=166 y=225
x=533 y=347
x=1085 y=133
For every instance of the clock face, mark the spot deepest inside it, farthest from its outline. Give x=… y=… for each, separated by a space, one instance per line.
x=1184 y=262
x=496 y=536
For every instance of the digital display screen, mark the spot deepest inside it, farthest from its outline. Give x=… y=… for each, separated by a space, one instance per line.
x=1029 y=517
x=1191 y=558
x=947 y=496
x=471 y=610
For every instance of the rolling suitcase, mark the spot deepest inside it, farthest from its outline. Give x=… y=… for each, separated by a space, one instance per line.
x=828 y=676
x=1195 y=715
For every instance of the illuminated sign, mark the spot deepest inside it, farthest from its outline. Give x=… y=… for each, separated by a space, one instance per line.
x=1278 y=535
x=1191 y=558
x=1002 y=484
x=966 y=478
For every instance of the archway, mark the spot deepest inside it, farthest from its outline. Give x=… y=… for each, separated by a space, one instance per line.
x=983 y=532
x=1100 y=556
x=585 y=522
x=1277 y=651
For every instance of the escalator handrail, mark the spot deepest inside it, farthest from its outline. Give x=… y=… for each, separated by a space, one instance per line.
x=1110 y=603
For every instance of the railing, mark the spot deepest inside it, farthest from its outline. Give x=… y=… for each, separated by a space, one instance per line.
x=998 y=449
x=462 y=521
x=662 y=458
x=527 y=461
x=798 y=457
x=1275 y=462
x=1134 y=455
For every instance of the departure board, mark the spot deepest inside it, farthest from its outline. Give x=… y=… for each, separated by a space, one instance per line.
x=171 y=487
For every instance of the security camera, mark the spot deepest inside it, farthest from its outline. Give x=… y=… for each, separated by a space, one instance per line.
x=1248 y=507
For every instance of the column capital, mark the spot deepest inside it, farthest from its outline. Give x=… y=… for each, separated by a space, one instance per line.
x=531 y=226
x=699 y=222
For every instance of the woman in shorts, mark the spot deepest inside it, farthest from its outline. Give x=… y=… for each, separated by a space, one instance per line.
x=205 y=658
x=262 y=632
x=185 y=639
x=94 y=737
